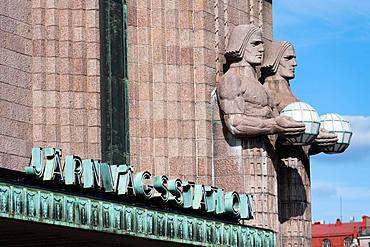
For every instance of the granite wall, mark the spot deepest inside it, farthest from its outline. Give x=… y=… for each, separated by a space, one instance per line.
x=175 y=60
x=66 y=77
x=50 y=80
x=16 y=105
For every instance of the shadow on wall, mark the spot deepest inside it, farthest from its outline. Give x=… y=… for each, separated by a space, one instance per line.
x=293 y=200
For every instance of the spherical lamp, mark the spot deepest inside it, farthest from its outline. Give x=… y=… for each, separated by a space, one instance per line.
x=303 y=112
x=336 y=124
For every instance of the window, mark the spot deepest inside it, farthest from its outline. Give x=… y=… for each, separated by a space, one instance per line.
x=114 y=81
x=347 y=241
x=326 y=243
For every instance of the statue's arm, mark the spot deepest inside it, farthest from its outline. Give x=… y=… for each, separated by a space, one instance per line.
x=230 y=93
x=323 y=140
x=242 y=125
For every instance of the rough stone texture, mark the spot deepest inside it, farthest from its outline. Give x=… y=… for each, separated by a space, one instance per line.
x=175 y=61
x=171 y=76
x=65 y=76
x=175 y=58
x=15 y=83
x=49 y=78
x=293 y=172
x=175 y=47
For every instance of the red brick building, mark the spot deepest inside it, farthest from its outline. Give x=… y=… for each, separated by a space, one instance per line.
x=338 y=234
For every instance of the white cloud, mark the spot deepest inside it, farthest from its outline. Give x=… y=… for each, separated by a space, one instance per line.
x=337 y=189
x=324 y=190
x=359 y=150
x=361 y=131
x=353 y=192
x=326 y=198
x=344 y=176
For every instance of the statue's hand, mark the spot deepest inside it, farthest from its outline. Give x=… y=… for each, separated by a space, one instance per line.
x=325 y=138
x=287 y=126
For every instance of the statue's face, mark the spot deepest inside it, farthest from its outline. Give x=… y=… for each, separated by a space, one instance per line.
x=287 y=64
x=254 y=49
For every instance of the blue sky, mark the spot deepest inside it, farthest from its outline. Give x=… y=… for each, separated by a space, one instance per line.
x=332 y=41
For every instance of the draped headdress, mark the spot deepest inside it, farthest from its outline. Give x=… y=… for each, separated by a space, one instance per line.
x=274 y=52
x=238 y=40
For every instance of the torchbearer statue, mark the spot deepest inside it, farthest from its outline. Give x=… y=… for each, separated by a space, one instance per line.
x=251 y=124
x=265 y=148
x=294 y=186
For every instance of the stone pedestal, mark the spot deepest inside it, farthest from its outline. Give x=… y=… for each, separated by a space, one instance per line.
x=246 y=166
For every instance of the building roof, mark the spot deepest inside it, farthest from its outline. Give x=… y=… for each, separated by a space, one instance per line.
x=338 y=228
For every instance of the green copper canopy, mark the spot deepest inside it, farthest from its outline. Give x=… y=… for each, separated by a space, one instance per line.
x=26 y=200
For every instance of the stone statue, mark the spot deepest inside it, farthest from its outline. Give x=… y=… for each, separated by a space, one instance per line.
x=293 y=172
x=250 y=124
x=246 y=106
x=277 y=69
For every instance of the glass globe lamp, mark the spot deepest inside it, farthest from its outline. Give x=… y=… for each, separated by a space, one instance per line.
x=303 y=112
x=338 y=125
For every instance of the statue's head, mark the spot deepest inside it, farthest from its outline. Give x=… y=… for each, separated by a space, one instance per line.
x=279 y=59
x=245 y=43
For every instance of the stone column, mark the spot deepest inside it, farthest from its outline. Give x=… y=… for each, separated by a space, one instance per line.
x=15 y=83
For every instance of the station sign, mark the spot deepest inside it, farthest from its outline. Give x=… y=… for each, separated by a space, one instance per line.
x=46 y=165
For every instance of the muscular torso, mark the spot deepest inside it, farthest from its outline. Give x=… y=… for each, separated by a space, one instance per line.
x=280 y=92
x=241 y=93
x=257 y=101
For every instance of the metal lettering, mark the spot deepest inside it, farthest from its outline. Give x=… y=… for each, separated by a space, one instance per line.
x=125 y=183
x=120 y=179
x=72 y=170
x=91 y=173
x=199 y=197
x=232 y=204
x=211 y=199
x=175 y=188
x=36 y=167
x=246 y=207
x=188 y=188
x=160 y=184
x=220 y=201
x=106 y=177
x=116 y=172
x=140 y=187
x=53 y=165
